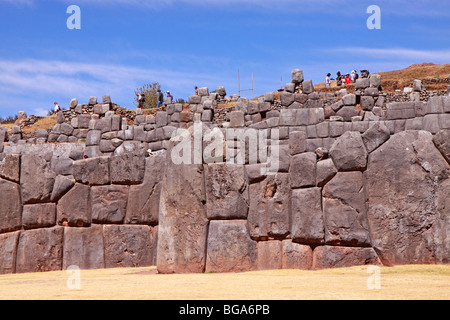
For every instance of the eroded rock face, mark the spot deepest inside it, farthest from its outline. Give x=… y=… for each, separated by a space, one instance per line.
x=269 y=207
x=325 y=257
x=226 y=191
x=344 y=207
x=83 y=247
x=407 y=200
x=8 y=250
x=230 y=247
x=10 y=206
x=183 y=225
x=36 y=179
x=348 y=152
x=40 y=250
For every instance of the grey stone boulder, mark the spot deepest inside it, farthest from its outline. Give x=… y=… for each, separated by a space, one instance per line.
x=297 y=76
x=442 y=143
x=74 y=208
x=269 y=207
x=307 y=225
x=347 y=100
x=409 y=225
x=39 y=215
x=127 y=169
x=61 y=187
x=36 y=179
x=307 y=87
x=143 y=199
x=40 y=250
x=83 y=247
x=375 y=136
x=302 y=170
x=10 y=168
x=325 y=171
x=348 y=152
x=128 y=246
x=10 y=206
x=226 y=191
x=344 y=208
x=8 y=252
x=109 y=203
x=92 y=171
x=230 y=248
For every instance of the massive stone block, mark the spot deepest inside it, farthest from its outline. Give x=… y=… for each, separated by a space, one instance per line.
x=296 y=256
x=39 y=215
x=74 y=208
x=10 y=206
x=128 y=246
x=325 y=257
x=83 y=247
x=302 y=170
x=405 y=177
x=143 y=199
x=230 y=248
x=10 y=168
x=226 y=191
x=40 y=250
x=269 y=207
x=344 y=207
x=349 y=152
x=442 y=143
x=36 y=179
x=127 y=169
x=307 y=224
x=183 y=225
x=8 y=251
x=269 y=255
x=109 y=203
x=375 y=136
x=92 y=171
x=61 y=187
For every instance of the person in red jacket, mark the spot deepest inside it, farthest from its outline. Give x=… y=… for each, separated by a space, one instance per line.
x=348 y=80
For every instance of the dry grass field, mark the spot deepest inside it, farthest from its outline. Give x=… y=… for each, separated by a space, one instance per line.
x=430 y=282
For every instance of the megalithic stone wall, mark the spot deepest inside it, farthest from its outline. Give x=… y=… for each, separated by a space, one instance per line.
x=274 y=183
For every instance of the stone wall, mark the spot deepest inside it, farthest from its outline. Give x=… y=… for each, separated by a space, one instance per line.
x=280 y=183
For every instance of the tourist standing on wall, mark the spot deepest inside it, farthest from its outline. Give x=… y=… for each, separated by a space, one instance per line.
x=338 y=78
x=160 y=98
x=347 y=79
x=57 y=107
x=328 y=80
x=140 y=99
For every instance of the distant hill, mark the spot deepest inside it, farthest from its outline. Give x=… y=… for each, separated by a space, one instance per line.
x=435 y=77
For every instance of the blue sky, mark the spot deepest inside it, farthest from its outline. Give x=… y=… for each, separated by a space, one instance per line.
x=185 y=43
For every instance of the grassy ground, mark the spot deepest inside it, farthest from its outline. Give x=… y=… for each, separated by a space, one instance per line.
x=400 y=282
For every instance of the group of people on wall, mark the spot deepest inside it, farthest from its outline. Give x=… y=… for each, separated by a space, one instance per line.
x=342 y=80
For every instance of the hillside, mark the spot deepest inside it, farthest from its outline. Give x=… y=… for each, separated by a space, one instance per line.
x=435 y=77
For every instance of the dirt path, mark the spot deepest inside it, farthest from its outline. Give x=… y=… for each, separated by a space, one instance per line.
x=402 y=282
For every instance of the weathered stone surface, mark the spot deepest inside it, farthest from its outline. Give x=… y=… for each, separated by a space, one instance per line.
x=325 y=171
x=183 y=225
x=10 y=168
x=347 y=100
x=39 y=215
x=297 y=142
x=230 y=248
x=307 y=87
x=92 y=171
x=127 y=169
x=40 y=250
x=226 y=191
x=325 y=257
x=302 y=170
x=74 y=208
x=269 y=255
x=307 y=224
x=269 y=207
x=8 y=251
x=404 y=178
x=442 y=143
x=36 y=179
x=297 y=76
x=109 y=203
x=367 y=103
x=349 y=152
x=344 y=208
x=375 y=136
x=296 y=256
x=143 y=199
x=128 y=246
x=347 y=112
x=83 y=247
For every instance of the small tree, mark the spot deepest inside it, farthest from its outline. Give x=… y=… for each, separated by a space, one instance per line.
x=150 y=93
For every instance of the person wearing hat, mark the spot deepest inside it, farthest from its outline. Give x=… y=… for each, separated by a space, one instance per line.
x=347 y=79
x=354 y=76
x=57 y=107
x=169 y=95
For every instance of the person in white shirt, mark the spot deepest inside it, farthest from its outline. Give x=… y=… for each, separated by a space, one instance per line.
x=57 y=107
